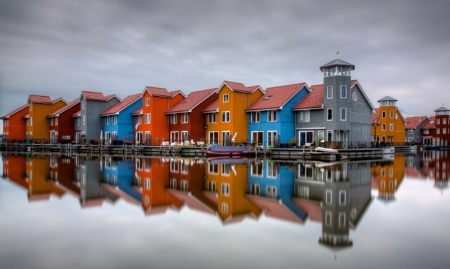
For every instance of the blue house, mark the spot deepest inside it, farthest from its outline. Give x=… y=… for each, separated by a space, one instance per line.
x=271 y=119
x=118 y=122
x=271 y=188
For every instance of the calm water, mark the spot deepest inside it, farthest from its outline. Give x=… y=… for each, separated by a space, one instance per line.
x=83 y=212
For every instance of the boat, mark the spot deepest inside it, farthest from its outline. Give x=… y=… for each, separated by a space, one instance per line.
x=328 y=150
x=229 y=151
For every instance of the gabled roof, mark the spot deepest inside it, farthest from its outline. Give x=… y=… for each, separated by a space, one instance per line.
x=431 y=124
x=130 y=99
x=336 y=63
x=276 y=97
x=76 y=114
x=40 y=99
x=239 y=87
x=14 y=112
x=161 y=92
x=387 y=98
x=376 y=116
x=354 y=83
x=98 y=96
x=212 y=108
x=313 y=100
x=414 y=122
x=192 y=100
x=72 y=103
x=137 y=111
x=441 y=109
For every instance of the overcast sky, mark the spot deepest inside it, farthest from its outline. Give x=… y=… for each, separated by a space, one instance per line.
x=60 y=48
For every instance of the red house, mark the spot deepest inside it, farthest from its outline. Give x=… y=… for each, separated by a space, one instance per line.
x=14 y=125
x=62 y=124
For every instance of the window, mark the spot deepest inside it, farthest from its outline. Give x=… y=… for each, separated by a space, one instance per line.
x=225 y=189
x=213 y=137
x=184 y=118
x=271 y=191
x=303 y=192
x=173 y=119
x=257 y=169
x=226 y=169
x=212 y=186
x=271 y=135
x=147 y=118
x=224 y=208
x=444 y=121
x=107 y=120
x=226 y=116
x=213 y=168
x=304 y=116
x=383 y=114
x=272 y=170
x=328 y=196
x=114 y=119
x=343 y=91
x=139 y=119
x=51 y=121
x=147 y=101
x=56 y=121
x=225 y=98
x=343 y=114
x=147 y=183
x=438 y=121
x=328 y=218
x=255 y=189
x=83 y=120
x=255 y=116
x=383 y=127
x=391 y=127
x=342 y=197
x=330 y=114
x=212 y=117
x=341 y=219
x=272 y=115
x=330 y=92
x=392 y=114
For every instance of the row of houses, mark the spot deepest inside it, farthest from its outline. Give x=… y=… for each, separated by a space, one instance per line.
x=337 y=112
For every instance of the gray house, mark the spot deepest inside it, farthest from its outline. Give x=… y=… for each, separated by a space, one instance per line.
x=89 y=126
x=413 y=129
x=337 y=112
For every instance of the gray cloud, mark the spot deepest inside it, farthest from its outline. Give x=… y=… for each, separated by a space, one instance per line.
x=60 y=48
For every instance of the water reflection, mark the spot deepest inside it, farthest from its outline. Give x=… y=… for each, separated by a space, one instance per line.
x=334 y=194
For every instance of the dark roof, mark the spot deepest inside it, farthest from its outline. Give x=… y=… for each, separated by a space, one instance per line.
x=442 y=109
x=336 y=63
x=387 y=98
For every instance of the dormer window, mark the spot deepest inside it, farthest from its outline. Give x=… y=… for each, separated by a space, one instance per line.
x=225 y=98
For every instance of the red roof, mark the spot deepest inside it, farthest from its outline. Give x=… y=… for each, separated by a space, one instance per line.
x=212 y=107
x=414 y=122
x=376 y=116
x=64 y=108
x=312 y=100
x=97 y=96
x=14 y=112
x=276 y=97
x=431 y=124
x=137 y=111
x=121 y=105
x=192 y=100
x=155 y=91
x=41 y=99
x=239 y=87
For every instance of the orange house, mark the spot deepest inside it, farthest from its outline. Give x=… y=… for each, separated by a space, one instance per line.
x=388 y=124
x=226 y=119
x=14 y=124
x=154 y=125
x=38 y=126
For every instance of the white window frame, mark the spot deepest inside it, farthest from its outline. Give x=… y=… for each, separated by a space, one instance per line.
x=173 y=119
x=304 y=116
x=212 y=117
x=184 y=118
x=226 y=116
x=343 y=114
x=147 y=101
x=226 y=98
x=329 y=110
x=148 y=118
x=272 y=116
x=343 y=90
x=255 y=116
x=330 y=92
x=114 y=119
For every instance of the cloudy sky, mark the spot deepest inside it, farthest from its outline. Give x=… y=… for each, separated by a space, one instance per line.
x=59 y=48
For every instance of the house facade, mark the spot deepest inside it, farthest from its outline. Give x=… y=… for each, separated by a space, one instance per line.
x=227 y=120
x=429 y=132
x=61 y=121
x=92 y=106
x=186 y=119
x=118 y=124
x=337 y=112
x=389 y=125
x=442 y=122
x=14 y=125
x=271 y=119
x=154 y=127
x=413 y=129
x=38 y=127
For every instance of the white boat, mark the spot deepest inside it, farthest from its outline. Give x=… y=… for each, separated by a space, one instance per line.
x=321 y=149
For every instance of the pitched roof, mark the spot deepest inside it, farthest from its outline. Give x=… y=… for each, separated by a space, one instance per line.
x=376 y=116
x=313 y=100
x=40 y=99
x=387 y=98
x=431 y=124
x=276 y=97
x=414 y=122
x=6 y=116
x=72 y=103
x=192 y=100
x=441 y=109
x=130 y=99
x=239 y=87
x=155 y=91
x=92 y=95
x=214 y=107
x=336 y=63
x=137 y=111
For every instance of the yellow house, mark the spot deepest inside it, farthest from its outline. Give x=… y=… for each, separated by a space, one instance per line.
x=388 y=124
x=226 y=119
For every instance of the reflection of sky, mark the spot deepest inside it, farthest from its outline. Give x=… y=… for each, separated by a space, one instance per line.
x=409 y=233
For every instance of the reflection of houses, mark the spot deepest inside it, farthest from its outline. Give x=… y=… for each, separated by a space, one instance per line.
x=62 y=173
x=14 y=169
x=271 y=188
x=152 y=176
x=14 y=125
x=118 y=121
x=226 y=185
x=271 y=120
x=442 y=169
x=389 y=176
x=335 y=193
x=186 y=183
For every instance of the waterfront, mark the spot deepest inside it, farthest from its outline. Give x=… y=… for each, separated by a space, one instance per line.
x=173 y=212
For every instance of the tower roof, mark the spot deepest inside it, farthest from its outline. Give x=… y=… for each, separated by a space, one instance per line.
x=336 y=63
x=441 y=109
x=387 y=98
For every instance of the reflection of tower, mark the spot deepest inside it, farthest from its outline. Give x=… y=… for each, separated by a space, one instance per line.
x=336 y=208
x=390 y=176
